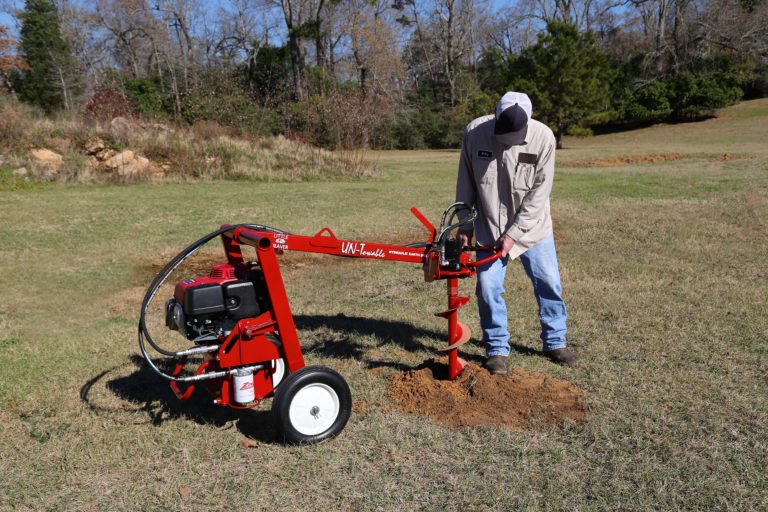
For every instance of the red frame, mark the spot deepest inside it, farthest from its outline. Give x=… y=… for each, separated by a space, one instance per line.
x=254 y=340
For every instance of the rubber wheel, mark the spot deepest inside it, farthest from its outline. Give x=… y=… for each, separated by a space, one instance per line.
x=311 y=405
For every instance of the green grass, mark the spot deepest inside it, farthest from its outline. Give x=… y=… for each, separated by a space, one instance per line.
x=665 y=276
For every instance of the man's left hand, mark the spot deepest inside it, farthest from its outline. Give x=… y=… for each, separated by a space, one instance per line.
x=505 y=245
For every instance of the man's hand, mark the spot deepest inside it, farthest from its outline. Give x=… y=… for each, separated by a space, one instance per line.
x=464 y=239
x=505 y=245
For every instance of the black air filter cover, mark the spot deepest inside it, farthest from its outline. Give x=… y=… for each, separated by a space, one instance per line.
x=204 y=300
x=241 y=299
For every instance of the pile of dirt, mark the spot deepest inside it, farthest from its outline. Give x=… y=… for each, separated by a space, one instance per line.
x=620 y=160
x=477 y=398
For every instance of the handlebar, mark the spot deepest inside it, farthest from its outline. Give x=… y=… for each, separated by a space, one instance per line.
x=488 y=259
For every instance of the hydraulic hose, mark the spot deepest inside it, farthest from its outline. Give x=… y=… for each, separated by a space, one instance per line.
x=158 y=281
x=454 y=210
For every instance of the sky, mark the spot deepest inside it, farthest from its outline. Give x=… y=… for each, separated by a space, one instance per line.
x=6 y=8
x=210 y=6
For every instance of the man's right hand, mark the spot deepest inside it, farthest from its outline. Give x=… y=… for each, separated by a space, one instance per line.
x=464 y=239
x=504 y=245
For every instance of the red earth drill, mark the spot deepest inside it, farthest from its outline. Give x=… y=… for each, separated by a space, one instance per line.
x=242 y=329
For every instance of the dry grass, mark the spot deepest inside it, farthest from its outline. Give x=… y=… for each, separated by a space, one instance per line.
x=665 y=278
x=204 y=152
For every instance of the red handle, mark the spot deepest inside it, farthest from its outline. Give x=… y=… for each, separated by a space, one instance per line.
x=485 y=260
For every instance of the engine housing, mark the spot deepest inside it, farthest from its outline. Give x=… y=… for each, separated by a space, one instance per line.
x=208 y=307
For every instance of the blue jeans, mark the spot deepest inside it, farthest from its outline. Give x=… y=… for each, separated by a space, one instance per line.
x=540 y=263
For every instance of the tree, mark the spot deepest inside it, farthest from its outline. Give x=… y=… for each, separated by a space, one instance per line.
x=444 y=41
x=51 y=81
x=301 y=22
x=566 y=75
x=10 y=63
x=373 y=43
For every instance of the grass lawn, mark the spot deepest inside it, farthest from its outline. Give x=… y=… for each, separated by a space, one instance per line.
x=664 y=266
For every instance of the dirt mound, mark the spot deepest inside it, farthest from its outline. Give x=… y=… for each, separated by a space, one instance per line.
x=478 y=398
x=620 y=160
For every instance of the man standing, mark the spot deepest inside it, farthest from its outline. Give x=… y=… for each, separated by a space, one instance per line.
x=506 y=171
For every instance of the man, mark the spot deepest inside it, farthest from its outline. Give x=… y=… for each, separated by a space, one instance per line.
x=506 y=171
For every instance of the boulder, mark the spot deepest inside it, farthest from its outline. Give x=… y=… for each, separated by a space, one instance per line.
x=48 y=162
x=21 y=171
x=157 y=171
x=95 y=146
x=120 y=160
x=135 y=169
x=105 y=154
x=46 y=158
x=128 y=165
x=123 y=129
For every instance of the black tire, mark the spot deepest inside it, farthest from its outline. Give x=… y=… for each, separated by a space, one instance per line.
x=311 y=405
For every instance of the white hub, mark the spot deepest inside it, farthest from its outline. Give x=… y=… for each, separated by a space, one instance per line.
x=314 y=409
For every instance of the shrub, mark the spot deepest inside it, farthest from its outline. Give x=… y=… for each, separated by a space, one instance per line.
x=106 y=104
x=648 y=102
x=695 y=96
x=399 y=132
x=230 y=107
x=16 y=120
x=211 y=130
x=342 y=119
x=148 y=96
x=579 y=131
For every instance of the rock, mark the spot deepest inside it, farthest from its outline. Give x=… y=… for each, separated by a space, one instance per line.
x=138 y=167
x=158 y=171
x=120 y=160
x=95 y=146
x=46 y=158
x=93 y=163
x=21 y=171
x=106 y=154
x=128 y=165
x=122 y=128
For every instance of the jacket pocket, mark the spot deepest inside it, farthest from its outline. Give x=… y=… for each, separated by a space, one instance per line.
x=524 y=176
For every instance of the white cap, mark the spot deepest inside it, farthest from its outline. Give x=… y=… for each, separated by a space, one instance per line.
x=510 y=99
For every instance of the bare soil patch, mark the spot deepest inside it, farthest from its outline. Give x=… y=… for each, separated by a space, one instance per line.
x=620 y=160
x=727 y=157
x=477 y=398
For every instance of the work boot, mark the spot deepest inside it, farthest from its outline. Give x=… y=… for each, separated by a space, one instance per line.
x=497 y=365
x=561 y=356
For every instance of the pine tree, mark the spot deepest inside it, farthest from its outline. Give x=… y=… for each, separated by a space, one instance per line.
x=51 y=80
x=566 y=75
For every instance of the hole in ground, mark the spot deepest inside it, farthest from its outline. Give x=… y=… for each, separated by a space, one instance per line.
x=477 y=398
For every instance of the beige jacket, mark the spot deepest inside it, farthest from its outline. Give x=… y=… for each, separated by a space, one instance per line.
x=509 y=188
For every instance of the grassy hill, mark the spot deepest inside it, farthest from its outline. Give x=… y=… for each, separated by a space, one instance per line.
x=36 y=148
x=662 y=236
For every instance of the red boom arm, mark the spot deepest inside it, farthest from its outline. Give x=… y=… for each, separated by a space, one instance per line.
x=325 y=242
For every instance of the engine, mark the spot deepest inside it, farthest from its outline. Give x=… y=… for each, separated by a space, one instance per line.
x=207 y=308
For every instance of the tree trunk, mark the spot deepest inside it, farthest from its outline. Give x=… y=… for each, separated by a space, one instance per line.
x=319 y=40
x=450 y=64
x=64 y=90
x=294 y=45
x=660 y=42
x=297 y=66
